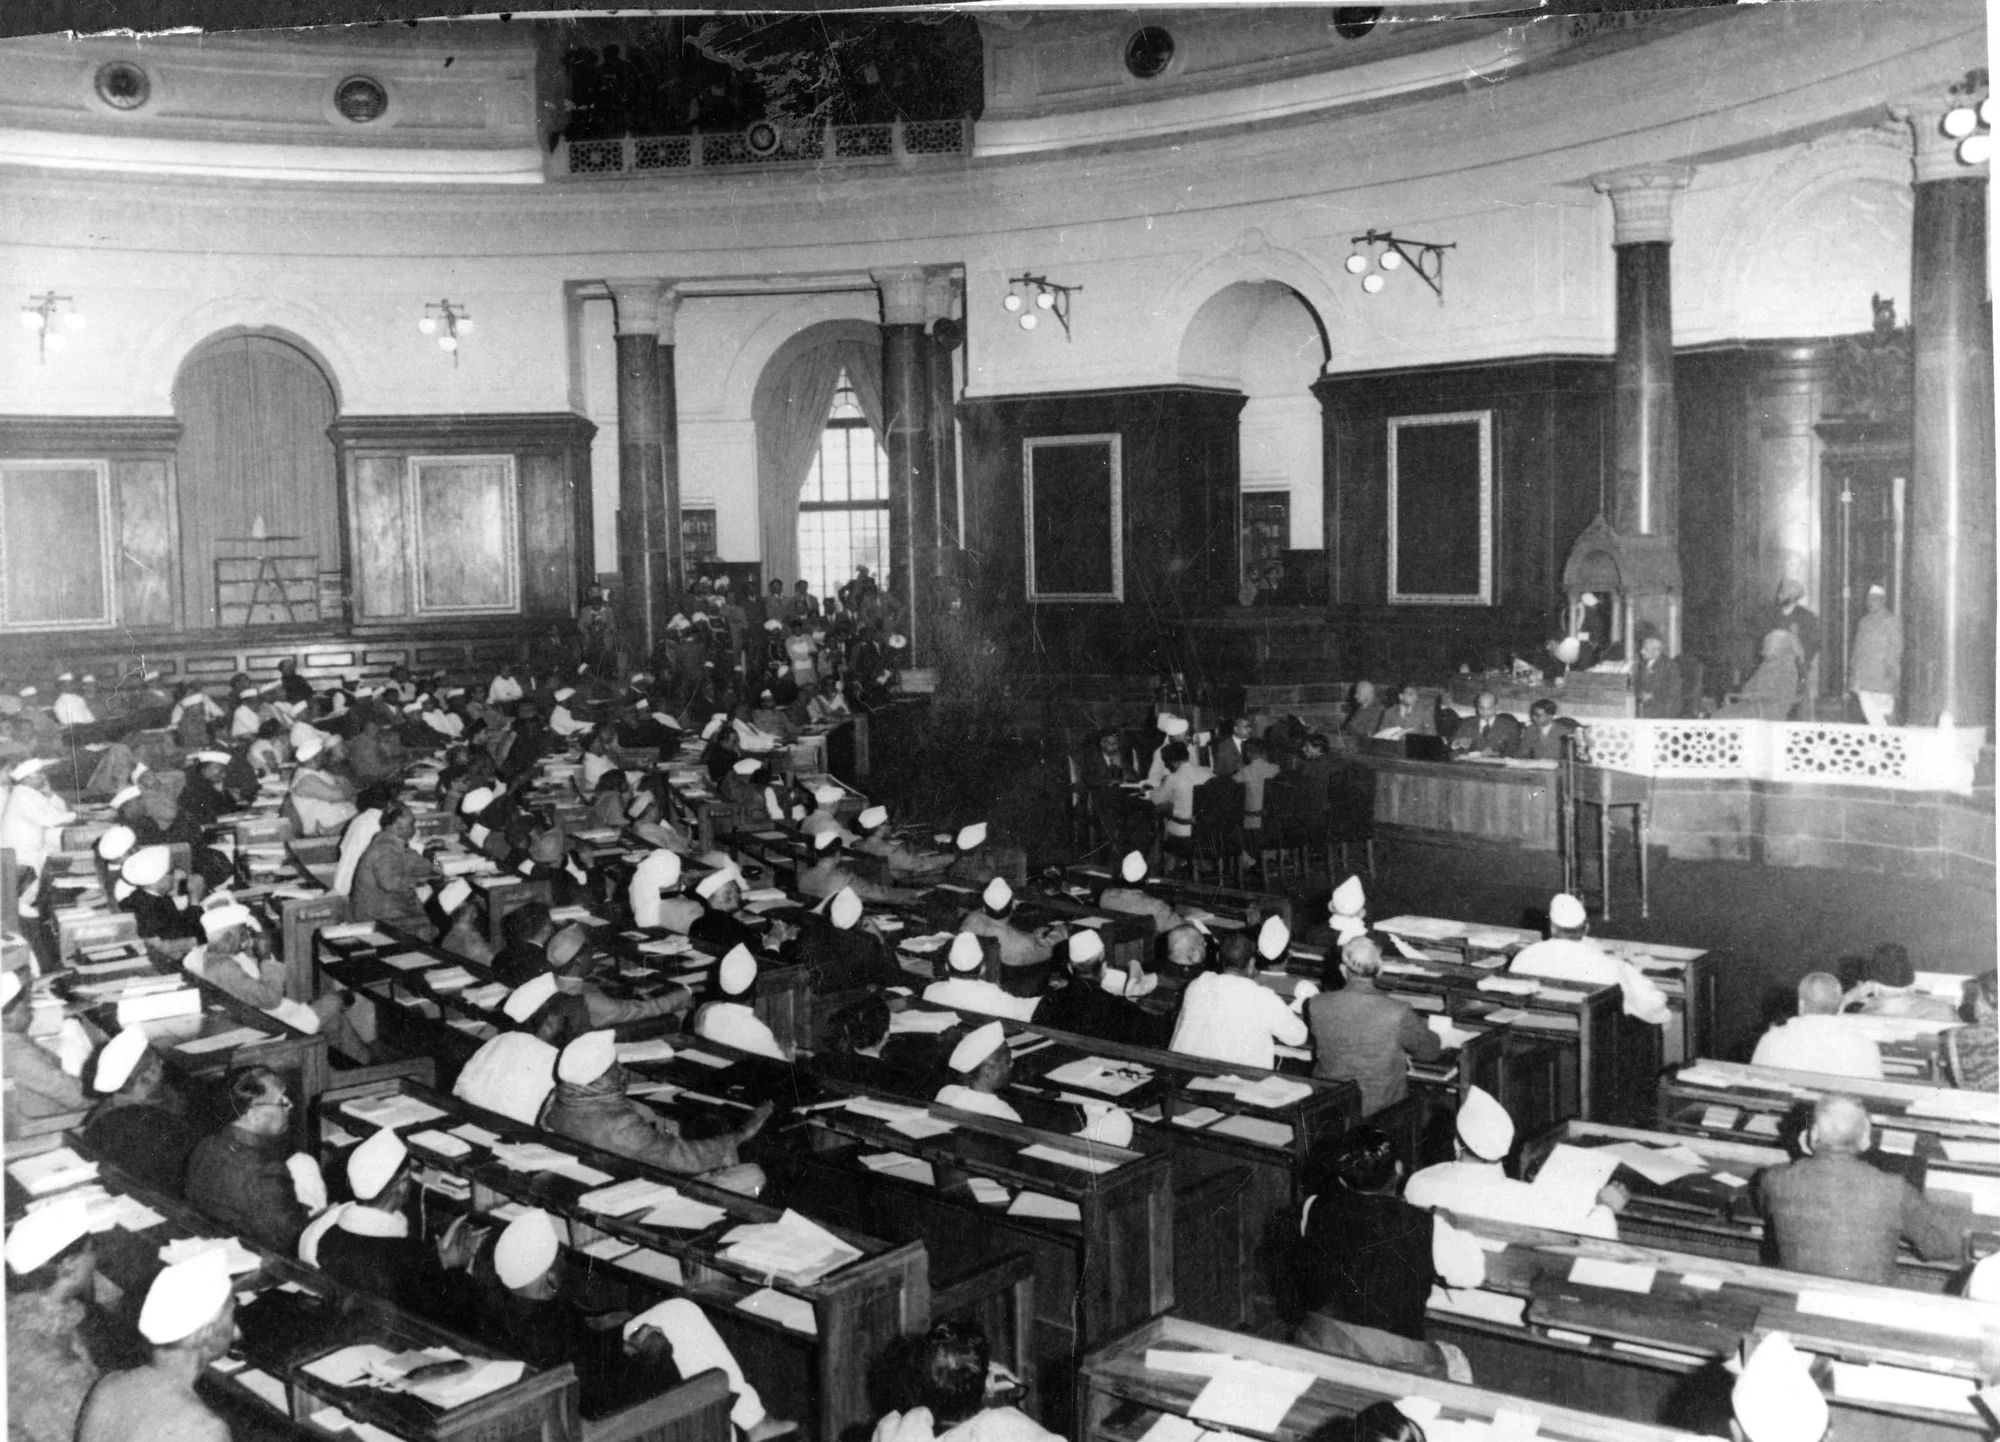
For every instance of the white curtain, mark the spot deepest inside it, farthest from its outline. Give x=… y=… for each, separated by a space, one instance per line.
x=790 y=410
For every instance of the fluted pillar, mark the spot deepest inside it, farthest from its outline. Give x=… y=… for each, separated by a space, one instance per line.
x=905 y=410
x=643 y=559
x=1948 y=615
x=940 y=300
x=674 y=583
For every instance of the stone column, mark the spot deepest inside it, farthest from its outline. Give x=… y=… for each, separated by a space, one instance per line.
x=643 y=564
x=1948 y=603
x=905 y=411
x=675 y=582
x=1646 y=444
x=940 y=300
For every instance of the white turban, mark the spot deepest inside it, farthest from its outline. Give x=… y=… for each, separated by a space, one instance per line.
x=477 y=800
x=978 y=1045
x=738 y=970
x=1086 y=946
x=526 y=1249
x=120 y=1055
x=966 y=954
x=218 y=919
x=1484 y=1126
x=1567 y=912
x=587 y=1058
x=185 y=1297
x=1173 y=727
x=715 y=881
x=372 y=1164
x=1132 y=868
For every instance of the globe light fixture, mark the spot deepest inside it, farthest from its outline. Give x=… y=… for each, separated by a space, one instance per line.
x=447 y=320
x=1381 y=250
x=49 y=315
x=1049 y=295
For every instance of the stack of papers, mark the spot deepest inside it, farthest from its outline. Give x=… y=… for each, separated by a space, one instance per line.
x=487 y=997
x=1229 y=1085
x=925 y=1022
x=988 y=1191
x=1571 y=1178
x=1251 y=1395
x=1903 y=1387
x=895 y=1164
x=883 y=1111
x=1441 y=1027
x=564 y=915
x=449 y=978
x=1487 y=1306
x=394 y=1111
x=354 y=931
x=1274 y=1091
x=409 y=961
x=1254 y=1129
x=793 y=1247
x=1918 y=1314
x=52 y=1171
x=1100 y=1074
x=652 y=1049
x=224 y=1040
x=443 y=1143
x=1036 y=1204
x=1511 y=985
x=1658 y=1165
x=134 y=1009
x=683 y=1214
x=627 y=1197
x=1081 y=1161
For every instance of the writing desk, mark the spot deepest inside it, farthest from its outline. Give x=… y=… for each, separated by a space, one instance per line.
x=1104 y=1264
x=1728 y=1099
x=1550 y=1321
x=1685 y=975
x=1235 y=906
x=297 y=1314
x=819 y=1377
x=1713 y=1213
x=1122 y=1397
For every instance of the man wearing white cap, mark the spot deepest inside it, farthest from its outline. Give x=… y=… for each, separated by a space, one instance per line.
x=1096 y=999
x=970 y=986
x=904 y=861
x=504 y=689
x=823 y=818
x=1172 y=729
x=38 y=1088
x=355 y=839
x=236 y=956
x=984 y=1065
x=129 y=1127
x=1570 y=956
x=1347 y=912
x=654 y=879
x=367 y=1243
x=720 y=925
x=993 y=918
x=573 y=960
x=1875 y=665
x=33 y=817
x=320 y=802
x=1477 y=1184
x=1130 y=900
x=1775 y=1398
x=465 y=931
x=189 y=1318
x=514 y=1072
x=246 y=1176
x=51 y=1265
x=839 y=952
x=1228 y=1015
x=150 y=888
x=731 y=1020
x=590 y=1105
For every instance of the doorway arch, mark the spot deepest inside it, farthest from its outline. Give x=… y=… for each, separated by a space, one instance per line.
x=258 y=480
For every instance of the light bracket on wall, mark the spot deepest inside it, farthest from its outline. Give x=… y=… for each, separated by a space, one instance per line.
x=447 y=320
x=1385 y=251
x=1046 y=295
x=49 y=315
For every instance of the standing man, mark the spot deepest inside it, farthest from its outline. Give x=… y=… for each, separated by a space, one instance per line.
x=1790 y=614
x=1876 y=664
x=1656 y=678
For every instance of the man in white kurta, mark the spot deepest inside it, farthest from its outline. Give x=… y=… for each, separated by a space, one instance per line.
x=1568 y=955
x=1230 y=1016
x=33 y=817
x=968 y=988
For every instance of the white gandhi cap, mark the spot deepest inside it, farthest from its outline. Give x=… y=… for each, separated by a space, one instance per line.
x=1273 y=937
x=1484 y=1126
x=1109 y=1125
x=1133 y=868
x=978 y=1045
x=966 y=953
x=715 y=881
x=1348 y=897
x=120 y=1055
x=738 y=970
x=43 y=1233
x=998 y=895
x=527 y=998
x=971 y=836
x=873 y=817
x=1086 y=946
x=1566 y=911
x=185 y=1297
x=846 y=908
x=526 y=1249
x=372 y=1164
x=1776 y=1399
x=587 y=1058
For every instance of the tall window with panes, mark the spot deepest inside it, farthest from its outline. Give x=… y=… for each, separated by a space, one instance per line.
x=844 y=504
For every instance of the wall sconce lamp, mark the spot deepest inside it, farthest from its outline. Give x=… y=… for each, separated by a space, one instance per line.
x=1047 y=296
x=1970 y=124
x=1424 y=257
x=447 y=321
x=40 y=315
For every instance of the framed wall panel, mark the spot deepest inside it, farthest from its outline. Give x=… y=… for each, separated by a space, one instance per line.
x=1073 y=515
x=1441 y=509
x=464 y=534
x=56 y=558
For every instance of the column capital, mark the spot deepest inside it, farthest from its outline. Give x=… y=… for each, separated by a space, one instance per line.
x=941 y=293
x=1936 y=153
x=1642 y=200
x=670 y=308
x=637 y=302
x=904 y=289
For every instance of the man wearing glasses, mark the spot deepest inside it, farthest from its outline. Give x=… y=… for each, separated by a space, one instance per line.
x=246 y=1177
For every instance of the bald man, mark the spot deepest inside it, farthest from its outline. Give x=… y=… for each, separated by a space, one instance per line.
x=1818 y=1039
x=1834 y=1215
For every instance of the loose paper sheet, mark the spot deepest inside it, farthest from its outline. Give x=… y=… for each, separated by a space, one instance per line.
x=1082 y=1161
x=1038 y=1204
x=990 y=1192
x=1903 y=1387
x=1199 y=1117
x=794 y=1313
x=1658 y=1165
x=1618 y=1276
x=1918 y=1314
x=1254 y=1129
x=1250 y=1395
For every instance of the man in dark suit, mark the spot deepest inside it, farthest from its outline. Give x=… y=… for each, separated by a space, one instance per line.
x=1543 y=736
x=1491 y=732
x=1656 y=678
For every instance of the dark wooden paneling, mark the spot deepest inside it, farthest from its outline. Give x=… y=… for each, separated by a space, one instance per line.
x=375 y=508
x=548 y=549
x=143 y=492
x=1178 y=493
x=52 y=541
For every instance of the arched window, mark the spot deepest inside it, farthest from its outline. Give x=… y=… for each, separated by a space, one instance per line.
x=844 y=503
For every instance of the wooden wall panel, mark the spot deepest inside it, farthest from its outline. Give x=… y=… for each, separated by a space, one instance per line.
x=466 y=542
x=143 y=492
x=548 y=538
x=375 y=509
x=52 y=542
